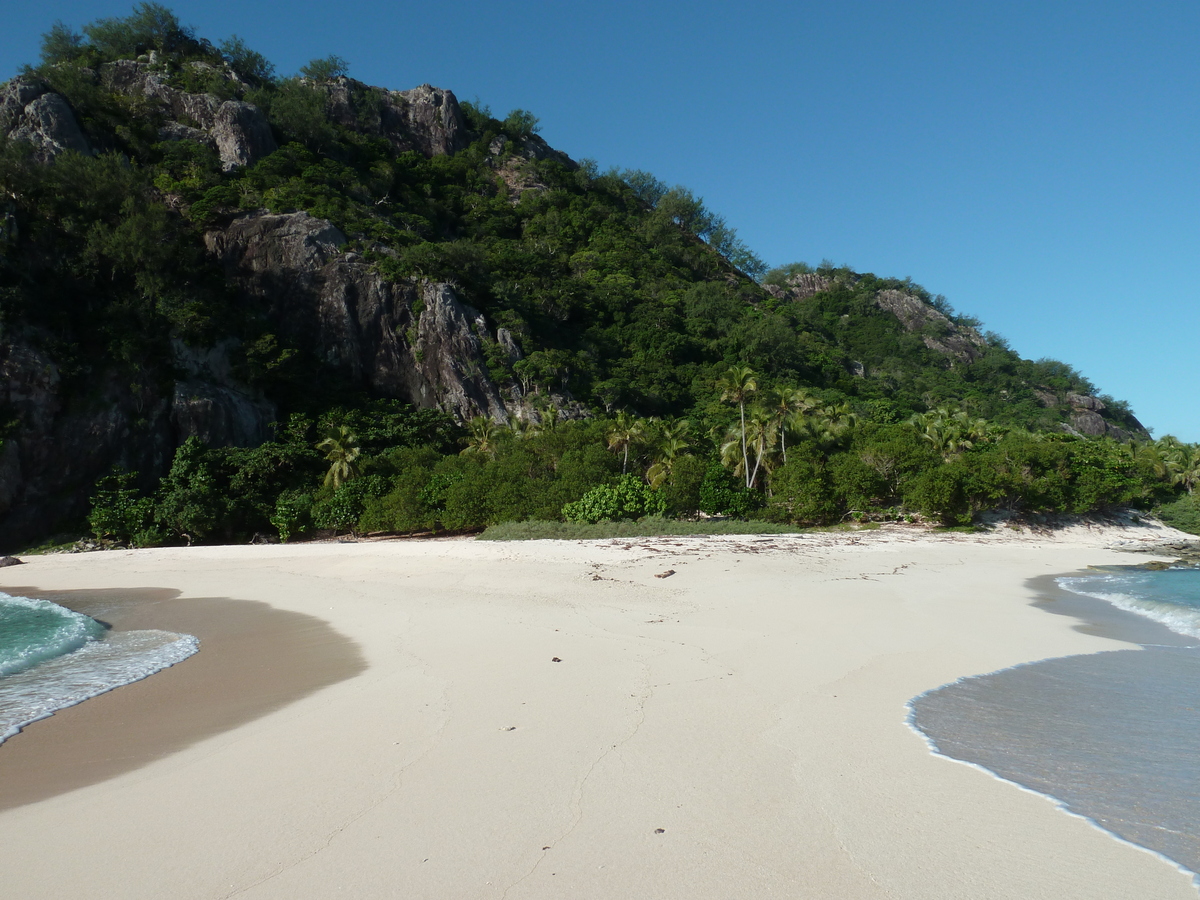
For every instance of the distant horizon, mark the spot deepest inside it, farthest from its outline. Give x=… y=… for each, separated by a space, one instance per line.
x=1035 y=166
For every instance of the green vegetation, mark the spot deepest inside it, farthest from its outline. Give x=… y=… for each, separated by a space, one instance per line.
x=1183 y=514
x=651 y=526
x=710 y=388
x=385 y=469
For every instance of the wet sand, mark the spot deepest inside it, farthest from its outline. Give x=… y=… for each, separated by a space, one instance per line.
x=256 y=659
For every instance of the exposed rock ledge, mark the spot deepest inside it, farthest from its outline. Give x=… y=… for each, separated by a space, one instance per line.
x=415 y=341
x=30 y=112
x=960 y=343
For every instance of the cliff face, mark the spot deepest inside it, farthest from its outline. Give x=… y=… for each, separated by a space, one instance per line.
x=62 y=446
x=30 y=112
x=412 y=341
x=959 y=343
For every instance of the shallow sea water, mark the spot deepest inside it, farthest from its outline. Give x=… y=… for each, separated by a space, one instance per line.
x=52 y=658
x=1113 y=736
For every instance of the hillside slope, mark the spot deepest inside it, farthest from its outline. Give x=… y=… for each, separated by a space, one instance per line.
x=192 y=247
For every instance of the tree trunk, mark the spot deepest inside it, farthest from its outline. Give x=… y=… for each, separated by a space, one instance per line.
x=745 y=455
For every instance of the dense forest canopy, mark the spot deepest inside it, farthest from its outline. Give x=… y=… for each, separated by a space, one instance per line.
x=648 y=361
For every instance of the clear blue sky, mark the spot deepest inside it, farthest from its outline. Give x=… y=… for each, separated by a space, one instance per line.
x=1037 y=163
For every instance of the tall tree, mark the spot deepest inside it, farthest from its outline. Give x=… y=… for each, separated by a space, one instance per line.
x=669 y=445
x=736 y=386
x=789 y=406
x=758 y=438
x=625 y=432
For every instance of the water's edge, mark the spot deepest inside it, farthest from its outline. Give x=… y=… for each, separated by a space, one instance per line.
x=256 y=659
x=1093 y=616
x=118 y=659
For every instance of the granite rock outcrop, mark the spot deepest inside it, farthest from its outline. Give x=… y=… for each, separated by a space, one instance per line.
x=425 y=119
x=415 y=341
x=63 y=444
x=959 y=343
x=30 y=112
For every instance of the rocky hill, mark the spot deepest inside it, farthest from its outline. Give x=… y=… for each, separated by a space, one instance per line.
x=191 y=248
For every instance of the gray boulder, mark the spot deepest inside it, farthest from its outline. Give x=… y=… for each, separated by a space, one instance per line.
x=800 y=286
x=959 y=343
x=237 y=130
x=425 y=119
x=1086 y=401
x=242 y=134
x=29 y=112
x=508 y=344
x=15 y=95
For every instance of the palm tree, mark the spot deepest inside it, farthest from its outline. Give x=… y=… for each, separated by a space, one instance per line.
x=736 y=386
x=341 y=449
x=1154 y=455
x=482 y=436
x=523 y=428
x=950 y=433
x=550 y=418
x=832 y=425
x=759 y=436
x=670 y=444
x=789 y=406
x=1182 y=462
x=626 y=431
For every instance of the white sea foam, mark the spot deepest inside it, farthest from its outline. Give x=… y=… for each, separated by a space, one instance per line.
x=96 y=668
x=1181 y=619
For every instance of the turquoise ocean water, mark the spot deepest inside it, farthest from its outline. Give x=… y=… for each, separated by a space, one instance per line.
x=52 y=658
x=1114 y=737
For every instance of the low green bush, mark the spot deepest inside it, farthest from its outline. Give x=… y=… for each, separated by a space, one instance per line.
x=1183 y=514
x=629 y=498
x=721 y=494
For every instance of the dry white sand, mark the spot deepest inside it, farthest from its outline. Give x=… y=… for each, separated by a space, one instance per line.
x=735 y=730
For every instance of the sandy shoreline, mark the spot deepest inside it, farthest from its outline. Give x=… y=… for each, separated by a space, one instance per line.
x=736 y=729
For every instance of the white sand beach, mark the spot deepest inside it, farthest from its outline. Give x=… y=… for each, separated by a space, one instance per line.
x=462 y=719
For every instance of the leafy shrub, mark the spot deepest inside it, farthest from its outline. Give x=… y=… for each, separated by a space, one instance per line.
x=629 y=498
x=120 y=512
x=342 y=509
x=937 y=494
x=325 y=69
x=1183 y=514
x=293 y=514
x=681 y=490
x=802 y=492
x=250 y=65
x=190 y=502
x=723 y=495
x=521 y=123
x=151 y=26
